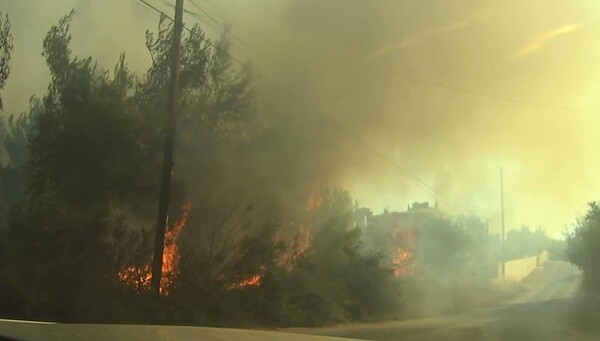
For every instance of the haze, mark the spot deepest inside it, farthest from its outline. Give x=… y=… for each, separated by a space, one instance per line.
x=450 y=90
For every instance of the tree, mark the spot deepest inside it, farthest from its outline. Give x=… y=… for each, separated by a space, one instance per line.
x=527 y=243
x=483 y=250
x=84 y=147
x=337 y=279
x=83 y=155
x=214 y=112
x=582 y=247
x=88 y=157
x=6 y=46
x=12 y=182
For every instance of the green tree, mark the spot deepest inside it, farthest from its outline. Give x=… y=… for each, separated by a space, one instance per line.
x=482 y=248
x=526 y=243
x=337 y=279
x=12 y=182
x=582 y=247
x=451 y=266
x=214 y=111
x=84 y=146
x=83 y=155
x=85 y=162
x=6 y=46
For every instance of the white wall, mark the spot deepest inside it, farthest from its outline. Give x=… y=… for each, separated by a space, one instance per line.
x=516 y=270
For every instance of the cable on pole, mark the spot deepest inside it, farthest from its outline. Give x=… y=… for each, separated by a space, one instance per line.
x=208 y=42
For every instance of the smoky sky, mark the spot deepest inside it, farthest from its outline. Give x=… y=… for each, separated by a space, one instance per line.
x=449 y=90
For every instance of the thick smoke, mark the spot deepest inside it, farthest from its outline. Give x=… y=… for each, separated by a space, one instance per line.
x=376 y=69
x=334 y=75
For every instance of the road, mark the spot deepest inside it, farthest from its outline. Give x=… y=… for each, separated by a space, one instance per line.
x=541 y=312
x=34 y=331
x=544 y=311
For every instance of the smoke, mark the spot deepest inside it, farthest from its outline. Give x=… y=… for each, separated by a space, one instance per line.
x=397 y=76
x=348 y=88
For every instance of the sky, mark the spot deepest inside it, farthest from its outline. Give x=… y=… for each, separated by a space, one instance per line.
x=450 y=91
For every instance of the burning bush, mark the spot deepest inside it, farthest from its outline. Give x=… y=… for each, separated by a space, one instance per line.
x=335 y=280
x=139 y=276
x=91 y=172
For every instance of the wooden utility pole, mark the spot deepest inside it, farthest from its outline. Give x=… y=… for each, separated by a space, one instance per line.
x=165 y=185
x=502 y=209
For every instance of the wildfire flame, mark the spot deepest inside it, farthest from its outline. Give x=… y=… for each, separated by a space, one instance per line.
x=314 y=200
x=304 y=240
x=299 y=245
x=402 y=262
x=253 y=281
x=304 y=237
x=140 y=276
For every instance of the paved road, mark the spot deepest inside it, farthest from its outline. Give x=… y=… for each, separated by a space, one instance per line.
x=24 y=330
x=544 y=311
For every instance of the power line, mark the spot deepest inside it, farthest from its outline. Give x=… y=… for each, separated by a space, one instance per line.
x=428 y=189
x=187 y=11
x=197 y=16
x=155 y=9
x=214 y=11
x=208 y=42
x=215 y=21
x=491 y=96
x=422 y=184
x=418 y=79
x=205 y=13
x=217 y=6
x=208 y=15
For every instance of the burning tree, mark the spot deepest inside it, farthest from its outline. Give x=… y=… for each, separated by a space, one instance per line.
x=252 y=281
x=335 y=278
x=404 y=243
x=401 y=262
x=139 y=276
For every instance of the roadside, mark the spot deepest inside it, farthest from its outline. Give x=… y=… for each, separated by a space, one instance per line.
x=545 y=310
x=549 y=309
x=41 y=331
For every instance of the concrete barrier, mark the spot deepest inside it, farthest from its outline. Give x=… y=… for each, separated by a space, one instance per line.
x=542 y=257
x=516 y=270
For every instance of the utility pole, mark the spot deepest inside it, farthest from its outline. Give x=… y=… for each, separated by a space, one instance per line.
x=167 y=169
x=502 y=209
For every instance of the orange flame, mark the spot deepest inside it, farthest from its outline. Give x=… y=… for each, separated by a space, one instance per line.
x=402 y=262
x=140 y=277
x=137 y=277
x=171 y=256
x=253 y=281
x=314 y=200
x=304 y=240
x=297 y=247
